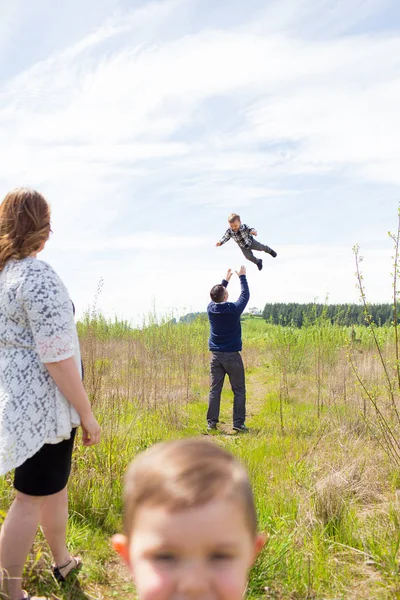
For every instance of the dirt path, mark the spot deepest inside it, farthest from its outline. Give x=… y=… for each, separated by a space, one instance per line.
x=121 y=586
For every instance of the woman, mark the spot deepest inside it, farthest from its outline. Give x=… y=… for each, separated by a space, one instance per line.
x=42 y=398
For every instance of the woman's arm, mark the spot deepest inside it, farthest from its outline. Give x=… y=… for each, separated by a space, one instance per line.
x=66 y=376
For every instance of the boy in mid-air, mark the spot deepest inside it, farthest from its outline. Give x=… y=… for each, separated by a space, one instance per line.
x=190 y=523
x=243 y=236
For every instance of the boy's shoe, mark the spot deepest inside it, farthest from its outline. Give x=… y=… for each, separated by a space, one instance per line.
x=273 y=253
x=259 y=264
x=211 y=425
x=241 y=428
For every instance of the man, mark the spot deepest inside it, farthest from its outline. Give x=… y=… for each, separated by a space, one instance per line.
x=225 y=343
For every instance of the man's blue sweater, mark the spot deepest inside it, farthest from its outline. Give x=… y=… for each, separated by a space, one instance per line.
x=224 y=317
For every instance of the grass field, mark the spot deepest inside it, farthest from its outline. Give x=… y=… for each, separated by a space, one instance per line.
x=323 y=451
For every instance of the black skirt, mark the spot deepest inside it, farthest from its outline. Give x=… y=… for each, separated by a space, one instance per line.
x=47 y=471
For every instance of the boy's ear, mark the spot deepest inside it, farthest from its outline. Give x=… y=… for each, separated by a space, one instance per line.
x=259 y=543
x=120 y=545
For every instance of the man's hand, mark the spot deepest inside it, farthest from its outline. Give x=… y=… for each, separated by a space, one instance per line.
x=242 y=271
x=218 y=244
x=253 y=231
x=228 y=275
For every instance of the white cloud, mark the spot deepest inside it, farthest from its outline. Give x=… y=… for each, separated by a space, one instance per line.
x=123 y=123
x=135 y=282
x=336 y=101
x=316 y=272
x=324 y=19
x=143 y=240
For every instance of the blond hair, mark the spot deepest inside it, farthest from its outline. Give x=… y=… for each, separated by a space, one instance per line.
x=24 y=224
x=233 y=217
x=185 y=474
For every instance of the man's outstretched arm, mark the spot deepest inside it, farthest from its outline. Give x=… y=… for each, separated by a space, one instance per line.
x=244 y=297
x=227 y=278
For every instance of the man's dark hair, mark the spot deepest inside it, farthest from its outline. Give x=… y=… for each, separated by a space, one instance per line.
x=217 y=293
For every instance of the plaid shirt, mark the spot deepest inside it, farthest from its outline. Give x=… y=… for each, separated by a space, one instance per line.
x=242 y=236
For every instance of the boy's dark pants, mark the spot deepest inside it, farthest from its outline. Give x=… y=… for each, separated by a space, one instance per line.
x=229 y=363
x=255 y=246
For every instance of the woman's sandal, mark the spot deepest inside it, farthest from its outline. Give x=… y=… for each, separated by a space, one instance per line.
x=57 y=570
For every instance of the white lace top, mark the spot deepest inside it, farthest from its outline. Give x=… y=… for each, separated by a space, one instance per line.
x=36 y=326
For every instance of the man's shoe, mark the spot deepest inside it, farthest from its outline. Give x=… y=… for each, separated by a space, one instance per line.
x=211 y=425
x=259 y=265
x=241 y=428
x=273 y=253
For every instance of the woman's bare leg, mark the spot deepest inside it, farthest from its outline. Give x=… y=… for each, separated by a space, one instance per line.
x=16 y=539
x=54 y=519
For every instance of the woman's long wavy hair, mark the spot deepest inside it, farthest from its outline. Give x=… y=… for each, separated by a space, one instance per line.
x=24 y=224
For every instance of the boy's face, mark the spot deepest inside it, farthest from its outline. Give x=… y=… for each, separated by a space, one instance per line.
x=235 y=225
x=201 y=553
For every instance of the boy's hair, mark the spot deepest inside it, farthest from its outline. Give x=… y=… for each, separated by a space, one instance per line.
x=184 y=474
x=233 y=217
x=217 y=293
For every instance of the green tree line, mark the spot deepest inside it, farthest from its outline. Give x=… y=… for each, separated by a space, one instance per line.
x=340 y=314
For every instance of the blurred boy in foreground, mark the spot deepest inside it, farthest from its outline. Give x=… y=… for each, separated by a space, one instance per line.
x=190 y=523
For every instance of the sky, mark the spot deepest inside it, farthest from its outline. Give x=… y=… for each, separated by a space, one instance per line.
x=146 y=123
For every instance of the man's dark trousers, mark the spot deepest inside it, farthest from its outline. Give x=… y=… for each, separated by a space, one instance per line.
x=229 y=363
